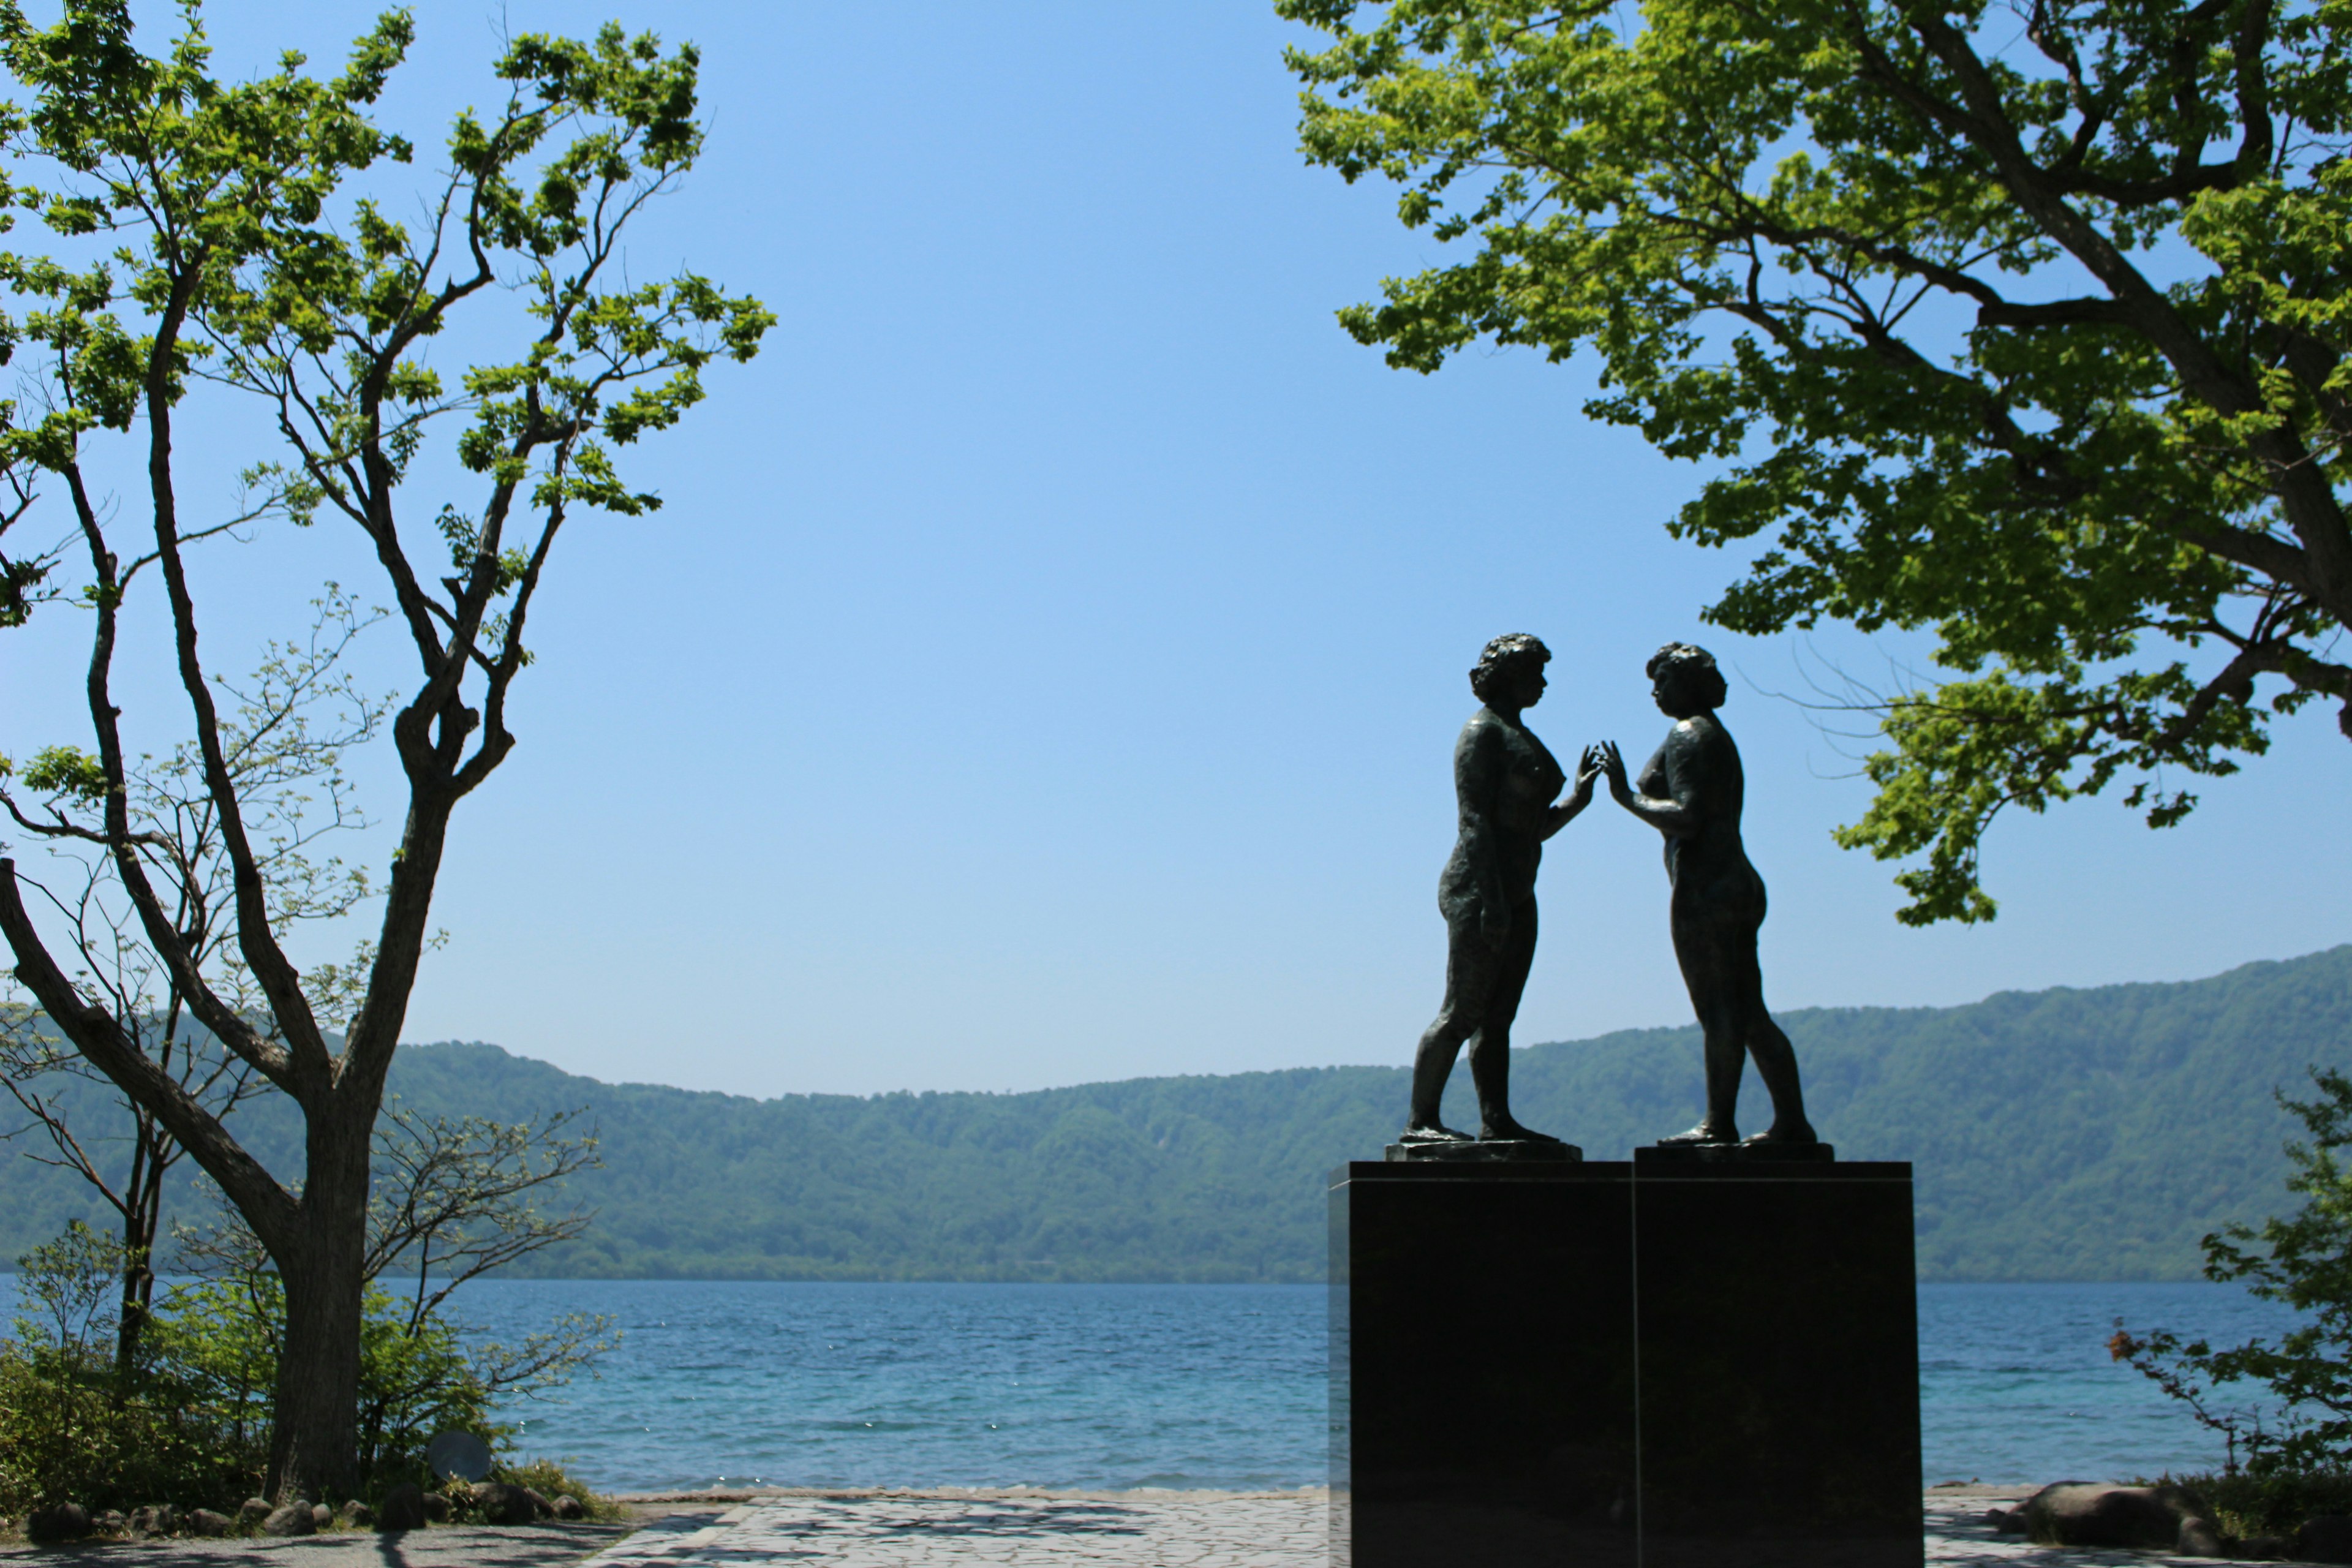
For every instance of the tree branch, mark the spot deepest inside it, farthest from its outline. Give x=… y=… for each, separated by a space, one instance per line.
x=100 y=1038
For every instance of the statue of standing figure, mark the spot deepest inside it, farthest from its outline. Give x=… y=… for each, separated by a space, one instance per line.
x=1691 y=792
x=1505 y=783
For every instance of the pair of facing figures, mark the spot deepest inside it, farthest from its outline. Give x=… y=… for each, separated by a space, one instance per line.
x=1508 y=786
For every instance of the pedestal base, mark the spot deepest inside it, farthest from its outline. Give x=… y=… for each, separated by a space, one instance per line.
x=1683 y=1363
x=1737 y=1153
x=1486 y=1151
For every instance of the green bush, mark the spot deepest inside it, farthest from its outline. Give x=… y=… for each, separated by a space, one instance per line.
x=547 y=1478
x=190 y=1422
x=2247 y=1504
x=72 y=1426
x=216 y=1342
x=2284 y=1404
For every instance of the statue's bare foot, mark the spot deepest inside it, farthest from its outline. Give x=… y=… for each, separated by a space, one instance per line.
x=1802 y=1133
x=1705 y=1132
x=1512 y=1133
x=1433 y=1132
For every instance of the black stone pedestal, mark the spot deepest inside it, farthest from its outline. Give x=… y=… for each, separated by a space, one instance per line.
x=1679 y=1363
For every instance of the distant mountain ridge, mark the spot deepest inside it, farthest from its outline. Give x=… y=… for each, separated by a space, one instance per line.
x=2063 y=1134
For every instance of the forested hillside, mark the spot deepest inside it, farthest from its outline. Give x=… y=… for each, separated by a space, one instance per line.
x=2062 y=1134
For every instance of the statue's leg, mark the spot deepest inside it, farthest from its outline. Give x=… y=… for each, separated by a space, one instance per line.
x=1471 y=970
x=1490 y=1048
x=1700 y=953
x=1776 y=1058
x=1758 y=1033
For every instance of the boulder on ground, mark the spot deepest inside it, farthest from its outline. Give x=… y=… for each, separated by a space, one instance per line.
x=154 y=1519
x=404 y=1507
x=436 y=1507
x=251 y=1512
x=323 y=1516
x=2324 y=1539
x=204 y=1521
x=503 y=1504
x=2006 y=1521
x=2080 y=1513
x=2263 y=1548
x=569 y=1507
x=357 y=1515
x=57 y=1521
x=108 y=1521
x=294 y=1518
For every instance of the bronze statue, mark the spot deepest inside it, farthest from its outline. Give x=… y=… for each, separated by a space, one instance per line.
x=1691 y=792
x=1504 y=782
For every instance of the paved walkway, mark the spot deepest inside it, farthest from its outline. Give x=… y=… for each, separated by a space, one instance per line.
x=966 y=1530
x=1957 y=1537
x=444 y=1546
x=954 y=1529
x=1159 y=1530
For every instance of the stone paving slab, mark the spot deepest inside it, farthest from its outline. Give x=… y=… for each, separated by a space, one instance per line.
x=1163 y=1529
x=1958 y=1537
x=960 y=1529
x=442 y=1546
x=936 y=1529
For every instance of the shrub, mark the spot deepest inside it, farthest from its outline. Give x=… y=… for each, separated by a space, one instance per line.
x=2297 y=1427
x=549 y=1478
x=189 y=1423
x=218 y=1341
x=2274 y=1503
x=73 y=1425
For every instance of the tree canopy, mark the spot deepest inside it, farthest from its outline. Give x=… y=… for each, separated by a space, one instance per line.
x=2022 y=324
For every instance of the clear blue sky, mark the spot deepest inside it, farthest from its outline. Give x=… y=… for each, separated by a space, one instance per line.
x=1047 y=666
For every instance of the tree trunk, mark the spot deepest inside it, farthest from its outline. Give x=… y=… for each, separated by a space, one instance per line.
x=142 y=1208
x=313 y=1446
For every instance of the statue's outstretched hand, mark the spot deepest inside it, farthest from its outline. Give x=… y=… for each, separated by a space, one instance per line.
x=1609 y=760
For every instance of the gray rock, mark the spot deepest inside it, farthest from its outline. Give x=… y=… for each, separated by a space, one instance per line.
x=109 y=1521
x=2081 y=1513
x=295 y=1519
x=357 y=1515
x=503 y=1504
x=58 y=1522
x=2324 y=1539
x=204 y=1521
x=2006 y=1521
x=404 y=1507
x=251 y=1512
x=569 y=1507
x=323 y=1516
x=436 y=1507
x=154 y=1519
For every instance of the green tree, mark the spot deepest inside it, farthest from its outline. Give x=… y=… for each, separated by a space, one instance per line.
x=2302 y=1379
x=225 y=240
x=283 y=741
x=2024 y=324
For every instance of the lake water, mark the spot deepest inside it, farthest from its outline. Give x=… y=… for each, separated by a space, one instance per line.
x=1210 y=1385
x=1219 y=1386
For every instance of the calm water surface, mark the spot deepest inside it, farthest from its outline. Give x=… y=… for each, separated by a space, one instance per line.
x=1209 y=1385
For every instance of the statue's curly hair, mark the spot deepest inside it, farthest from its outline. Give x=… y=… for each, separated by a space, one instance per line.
x=1689 y=662
x=1505 y=657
